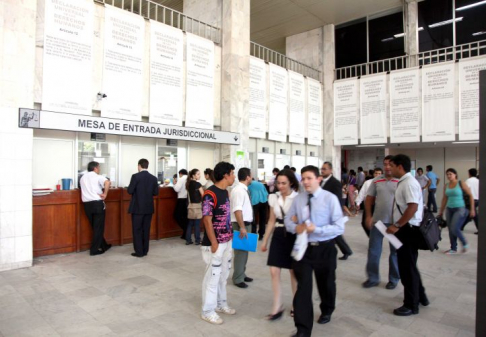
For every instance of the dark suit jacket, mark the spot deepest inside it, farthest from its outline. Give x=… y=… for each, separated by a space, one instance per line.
x=334 y=186
x=143 y=187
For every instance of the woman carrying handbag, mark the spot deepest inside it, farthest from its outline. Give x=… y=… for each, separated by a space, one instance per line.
x=194 y=209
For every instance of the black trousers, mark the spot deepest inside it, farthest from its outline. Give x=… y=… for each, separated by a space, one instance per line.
x=95 y=211
x=407 y=257
x=260 y=209
x=343 y=245
x=431 y=203
x=180 y=215
x=476 y=204
x=322 y=260
x=141 y=233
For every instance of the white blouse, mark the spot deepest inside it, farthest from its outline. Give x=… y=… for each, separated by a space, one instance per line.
x=276 y=201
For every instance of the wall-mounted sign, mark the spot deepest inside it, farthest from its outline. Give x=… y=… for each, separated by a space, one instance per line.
x=40 y=119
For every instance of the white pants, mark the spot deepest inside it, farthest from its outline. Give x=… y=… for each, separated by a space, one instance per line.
x=218 y=267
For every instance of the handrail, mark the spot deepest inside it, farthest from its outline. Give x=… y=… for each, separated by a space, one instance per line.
x=154 y=11
x=424 y=58
x=269 y=55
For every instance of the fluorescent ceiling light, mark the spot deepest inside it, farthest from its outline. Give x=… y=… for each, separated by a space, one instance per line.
x=443 y=23
x=399 y=35
x=388 y=39
x=370 y=145
x=472 y=142
x=479 y=33
x=420 y=29
x=471 y=6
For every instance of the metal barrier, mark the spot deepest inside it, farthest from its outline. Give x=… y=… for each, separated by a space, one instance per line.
x=283 y=61
x=157 y=12
x=429 y=57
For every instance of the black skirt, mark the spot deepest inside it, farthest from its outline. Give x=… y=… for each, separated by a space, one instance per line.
x=280 y=249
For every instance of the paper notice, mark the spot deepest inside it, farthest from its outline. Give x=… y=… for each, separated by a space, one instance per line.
x=390 y=237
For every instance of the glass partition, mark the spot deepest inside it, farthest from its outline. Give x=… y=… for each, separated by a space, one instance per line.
x=104 y=152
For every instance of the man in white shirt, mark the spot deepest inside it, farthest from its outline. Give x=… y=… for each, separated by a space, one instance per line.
x=93 y=196
x=407 y=216
x=363 y=192
x=180 y=212
x=424 y=182
x=241 y=219
x=473 y=183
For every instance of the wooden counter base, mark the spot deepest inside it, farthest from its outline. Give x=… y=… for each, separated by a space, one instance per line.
x=61 y=226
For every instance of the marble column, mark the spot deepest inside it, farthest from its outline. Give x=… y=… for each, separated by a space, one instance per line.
x=235 y=81
x=315 y=48
x=17 y=69
x=412 y=40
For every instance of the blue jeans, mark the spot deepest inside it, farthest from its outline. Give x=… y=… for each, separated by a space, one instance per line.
x=374 y=255
x=431 y=203
x=197 y=230
x=455 y=218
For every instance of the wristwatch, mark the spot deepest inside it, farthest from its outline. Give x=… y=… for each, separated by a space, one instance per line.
x=396 y=225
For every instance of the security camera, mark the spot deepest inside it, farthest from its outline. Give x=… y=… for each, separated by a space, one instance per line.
x=100 y=96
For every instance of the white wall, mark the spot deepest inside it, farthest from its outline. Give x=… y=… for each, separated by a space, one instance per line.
x=132 y=150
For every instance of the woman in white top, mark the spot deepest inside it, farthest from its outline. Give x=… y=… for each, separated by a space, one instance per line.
x=282 y=241
x=208 y=175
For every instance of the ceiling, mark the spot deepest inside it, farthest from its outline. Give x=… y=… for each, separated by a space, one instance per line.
x=273 y=20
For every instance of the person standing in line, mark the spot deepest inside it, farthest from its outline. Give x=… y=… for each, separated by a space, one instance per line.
x=473 y=183
x=456 y=211
x=351 y=186
x=94 y=190
x=282 y=242
x=194 y=193
x=241 y=219
x=259 y=202
x=319 y=213
x=362 y=196
x=217 y=244
x=208 y=175
x=423 y=180
x=380 y=196
x=407 y=216
x=360 y=178
x=143 y=187
x=180 y=212
x=331 y=184
x=434 y=182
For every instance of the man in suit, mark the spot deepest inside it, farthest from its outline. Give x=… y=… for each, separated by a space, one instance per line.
x=143 y=187
x=331 y=184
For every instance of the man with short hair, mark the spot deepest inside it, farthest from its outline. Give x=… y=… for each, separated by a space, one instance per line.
x=434 y=181
x=241 y=219
x=259 y=202
x=272 y=182
x=319 y=213
x=473 y=184
x=362 y=196
x=360 y=179
x=143 y=187
x=94 y=190
x=380 y=195
x=216 y=245
x=423 y=180
x=180 y=212
x=407 y=216
x=331 y=184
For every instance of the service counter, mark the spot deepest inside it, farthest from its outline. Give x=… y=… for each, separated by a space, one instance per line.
x=61 y=226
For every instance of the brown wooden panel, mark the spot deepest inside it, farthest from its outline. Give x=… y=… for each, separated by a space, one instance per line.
x=54 y=229
x=167 y=226
x=56 y=198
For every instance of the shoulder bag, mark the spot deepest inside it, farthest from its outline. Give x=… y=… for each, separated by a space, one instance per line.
x=194 y=210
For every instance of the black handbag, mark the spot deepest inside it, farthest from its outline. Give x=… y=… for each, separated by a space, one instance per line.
x=430 y=231
x=467 y=201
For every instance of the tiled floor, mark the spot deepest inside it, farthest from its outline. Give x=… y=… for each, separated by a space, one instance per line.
x=116 y=294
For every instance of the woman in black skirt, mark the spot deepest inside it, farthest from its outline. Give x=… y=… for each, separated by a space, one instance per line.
x=282 y=241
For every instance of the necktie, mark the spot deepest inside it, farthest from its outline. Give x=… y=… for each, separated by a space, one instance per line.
x=310 y=196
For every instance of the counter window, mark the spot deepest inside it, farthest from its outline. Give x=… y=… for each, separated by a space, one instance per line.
x=105 y=153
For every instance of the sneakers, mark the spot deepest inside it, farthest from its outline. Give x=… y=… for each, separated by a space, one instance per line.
x=465 y=248
x=226 y=310
x=450 y=252
x=213 y=319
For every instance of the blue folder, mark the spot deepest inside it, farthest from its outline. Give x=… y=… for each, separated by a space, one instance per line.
x=249 y=243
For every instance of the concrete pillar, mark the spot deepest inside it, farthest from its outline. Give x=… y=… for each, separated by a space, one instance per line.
x=412 y=40
x=17 y=69
x=235 y=80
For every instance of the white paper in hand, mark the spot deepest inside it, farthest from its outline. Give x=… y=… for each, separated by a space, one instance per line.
x=300 y=246
x=390 y=237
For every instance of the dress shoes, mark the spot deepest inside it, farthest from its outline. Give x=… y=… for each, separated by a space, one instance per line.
x=323 y=319
x=99 y=252
x=424 y=301
x=390 y=285
x=345 y=257
x=276 y=316
x=404 y=311
x=370 y=284
x=136 y=255
x=248 y=279
x=108 y=246
x=299 y=334
x=242 y=285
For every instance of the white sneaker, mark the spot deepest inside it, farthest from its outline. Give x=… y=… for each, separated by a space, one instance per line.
x=213 y=318
x=226 y=310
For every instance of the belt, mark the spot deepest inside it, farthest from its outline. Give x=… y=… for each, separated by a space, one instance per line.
x=247 y=223
x=87 y=202
x=279 y=223
x=320 y=243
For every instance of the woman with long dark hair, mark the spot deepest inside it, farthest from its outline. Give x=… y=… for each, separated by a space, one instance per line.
x=208 y=175
x=453 y=202
x=194 y=209
x=282 y=241
x=351 y=186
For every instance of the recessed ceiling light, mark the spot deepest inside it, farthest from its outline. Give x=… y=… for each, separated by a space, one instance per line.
x=443 y=23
